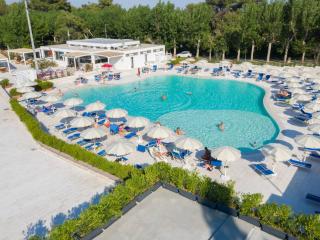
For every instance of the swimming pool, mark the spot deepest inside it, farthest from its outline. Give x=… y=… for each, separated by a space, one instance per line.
x=196 y=106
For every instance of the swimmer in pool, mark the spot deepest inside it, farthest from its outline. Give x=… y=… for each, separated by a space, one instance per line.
x=164 y=97
x=221 y=126
x=189 y=93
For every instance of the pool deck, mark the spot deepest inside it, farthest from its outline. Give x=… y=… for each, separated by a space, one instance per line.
x=165 y=215
x=37 y=187
x=289 y=186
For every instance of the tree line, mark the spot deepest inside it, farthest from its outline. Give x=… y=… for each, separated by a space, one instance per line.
x=264 y=29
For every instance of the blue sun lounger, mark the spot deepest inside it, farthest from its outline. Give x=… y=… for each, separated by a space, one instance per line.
x=130 y=135
x=101 y=122
x=314 y=155
x=313 y=198
x=70 y=130
x=299 y=164
x=83 y=142
x=92 y=146
x=60 y=126
x=150 y=144
x=74 y=136
x=311 y=149
x=102 y=153
x=141 y=148
x=263 y=170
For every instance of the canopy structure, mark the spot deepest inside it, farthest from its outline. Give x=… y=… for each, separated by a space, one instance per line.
x=76 y=54
x=109 y=54
x=22 y=52
x=4 y=59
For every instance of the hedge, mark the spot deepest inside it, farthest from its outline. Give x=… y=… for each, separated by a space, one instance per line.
x=43 y=85
x=136 y=181
x=73 y=150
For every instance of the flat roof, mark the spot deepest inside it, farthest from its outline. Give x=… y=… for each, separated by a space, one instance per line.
x=76 y=54
x=108 y=54
x=21 y=50
x=166 y=215
x=3 y=57
x=103 y=41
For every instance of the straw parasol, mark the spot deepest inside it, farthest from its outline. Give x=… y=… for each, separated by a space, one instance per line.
x=138 y=122
x=25 y=89
x=96 y=106
x=81 y=122
x=93 y=133
x=26 y=83
x=50 y=98
x=31 y=95
x=226 y=154
x=117 y=113
x=308 y=141
x=312 y=107
x=187 y=143
x=65 y=113
x=120 y=148
x=159 y=132
x=71 y=102
x=277 y=152
x=314 y=128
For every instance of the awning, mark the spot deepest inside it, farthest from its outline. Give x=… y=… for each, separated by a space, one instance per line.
x=3 y=57
x=21 y=50
x=76 y=54
x=108 y=54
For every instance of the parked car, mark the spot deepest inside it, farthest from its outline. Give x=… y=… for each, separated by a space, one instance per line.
x=184 y=54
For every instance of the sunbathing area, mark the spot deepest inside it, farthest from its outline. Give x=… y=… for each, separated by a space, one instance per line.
x=277 y=159
x=39 y=189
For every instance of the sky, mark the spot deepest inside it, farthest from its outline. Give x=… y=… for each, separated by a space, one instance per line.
x=130 y=3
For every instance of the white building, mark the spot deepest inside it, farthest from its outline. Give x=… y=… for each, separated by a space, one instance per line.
x=123 y=54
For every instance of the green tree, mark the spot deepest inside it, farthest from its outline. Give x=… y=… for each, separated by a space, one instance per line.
x=272 y=23
x=49 y=5
x=3 y=7
x=69 y=26
x=198 y=18
x=309 y=22
x=105 y=3
x=251 y=25
x=292 y=10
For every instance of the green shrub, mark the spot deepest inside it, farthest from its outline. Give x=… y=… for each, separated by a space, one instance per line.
x=4 y=83
x=275 y=215
x=305 y=226
x=177 y=60
x=249 y=203
x=43 y=64
x=13 y=92
x=43 y=85
x=75 y=151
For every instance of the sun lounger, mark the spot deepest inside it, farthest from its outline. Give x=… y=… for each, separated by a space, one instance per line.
x=314 y=155
x=311 y=149
x=102 y=153
x=313 y=198
x=114 y=129
x=263 y=170
x=216 y=163
x=101 y=122
x=60 y=126
x=92 y=146
x=180 y=155
x=74 y=136
x=141 y=148
x=130 y=135
x=83 y=142
x=299 y=164
x=70 y=130
x=152 y=143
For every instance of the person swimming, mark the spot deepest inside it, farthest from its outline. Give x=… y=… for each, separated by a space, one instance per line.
x=221 y=126
x=178 y=131
x=164 y=97
x=189 y=93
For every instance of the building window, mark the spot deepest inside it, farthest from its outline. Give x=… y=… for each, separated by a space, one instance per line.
x=59 y=56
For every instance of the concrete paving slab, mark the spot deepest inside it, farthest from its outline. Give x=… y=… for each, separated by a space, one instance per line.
x=37 y=187
x=166 y=215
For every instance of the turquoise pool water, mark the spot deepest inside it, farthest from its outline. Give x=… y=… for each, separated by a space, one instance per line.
x=238 y=105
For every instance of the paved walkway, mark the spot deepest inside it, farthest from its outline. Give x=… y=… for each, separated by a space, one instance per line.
x=38 y=188
x=165 y=215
